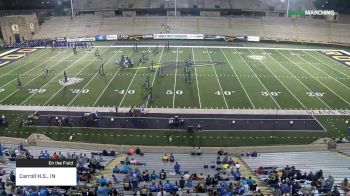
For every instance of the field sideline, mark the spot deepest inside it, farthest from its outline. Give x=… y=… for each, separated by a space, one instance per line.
x=222 y=78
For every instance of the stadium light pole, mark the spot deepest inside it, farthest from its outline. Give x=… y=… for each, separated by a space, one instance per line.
x=175 y=7
x=287 y=8
x=71 y=7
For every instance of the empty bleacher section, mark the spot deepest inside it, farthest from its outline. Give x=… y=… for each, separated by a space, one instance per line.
x=329 y=162
x=266 y=27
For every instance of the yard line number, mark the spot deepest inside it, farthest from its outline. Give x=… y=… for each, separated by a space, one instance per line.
x=122 y=92
x=77 y=91
x=34 y=90
x=315 y=94
x=228 y=93
x=177 y=92
x=274 y=94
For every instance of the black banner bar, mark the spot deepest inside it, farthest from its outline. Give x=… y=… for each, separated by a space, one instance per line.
x=46 y=163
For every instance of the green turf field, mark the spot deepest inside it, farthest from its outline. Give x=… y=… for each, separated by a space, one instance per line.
x=223 y=78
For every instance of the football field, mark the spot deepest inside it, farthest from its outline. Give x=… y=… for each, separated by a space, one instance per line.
x=220 y=78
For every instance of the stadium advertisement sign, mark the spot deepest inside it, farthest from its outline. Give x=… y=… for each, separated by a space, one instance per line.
x=82 y=39
x=123 y=37
x=148 y=36
x=111 y=37
x=60 y=39
x=214 y=37
x=179 y=36
x=101 y=38
x=253 y=38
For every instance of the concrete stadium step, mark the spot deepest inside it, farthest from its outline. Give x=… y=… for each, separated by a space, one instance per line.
x=246 y=171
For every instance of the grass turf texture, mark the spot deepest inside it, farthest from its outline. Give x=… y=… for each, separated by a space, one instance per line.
x=221 y=78
x=226 y=78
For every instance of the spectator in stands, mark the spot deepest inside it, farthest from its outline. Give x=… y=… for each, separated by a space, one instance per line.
x=189 y=183
x=131 y=151
x=193 y=151
x=162 y=175
x=221 y=152
x=161 y=192
x=345 y=185
x=116 y=170
x=172 y=158
x=165 y=158
x=168 y=186
x=54 y=156
x=102 y=190
x=2 y=156
x=177 y=168
x=199 y=151
x=182 y=183
x=153 y=188
x=132 y=161
x=102 y=180
x=154 y=175
x=138 y=151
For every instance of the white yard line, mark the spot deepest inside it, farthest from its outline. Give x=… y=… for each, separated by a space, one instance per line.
x=323 y=72
x=259 y=80
x=262 y=62
x=25 y=64
x=195 y=73
x=174 y=91
x=315 y=79
x=245 y=91
x=130 y=83
x=217 y=78
x=155 y=74
x=74 y=76
x=90 y=81
x=31 y=80
x=45 y=61
x=109 y=83
x=327 y=64
x=299 y=81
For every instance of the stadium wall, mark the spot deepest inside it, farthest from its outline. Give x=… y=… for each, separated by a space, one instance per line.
x=22 y=26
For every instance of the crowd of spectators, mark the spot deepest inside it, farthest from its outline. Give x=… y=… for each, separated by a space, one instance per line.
x=29 y=43
x=226 y=180
x=292 y=181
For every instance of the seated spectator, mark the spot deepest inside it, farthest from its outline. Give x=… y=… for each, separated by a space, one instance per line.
x=112 y=153
x=131 y=151
x=260 y=171
x=101 y=180
x=165 y=158
x=153 y=188
x=168 y=186
x=116 y=170
x=221 y=152
x=189 y=183
x=177 y=168
x=175 y=187
x=182 y=183
x=132 y=161
x=162 y=175
x=199 y=151
x=125 y=169
x=154 y=176
x=145 y=176
x=138 y=151
x=253 y=186
x=126 y=183
x=200 y=176
x=115 y=180
x=54 y=156
x=345 y=185
x=104 y=153
x=172 y=158
x=161 y=192
x=193 y=151
x=102 y=190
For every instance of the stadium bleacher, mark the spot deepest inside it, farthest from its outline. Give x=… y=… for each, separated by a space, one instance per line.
x=273 y=28
x=329 y=162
